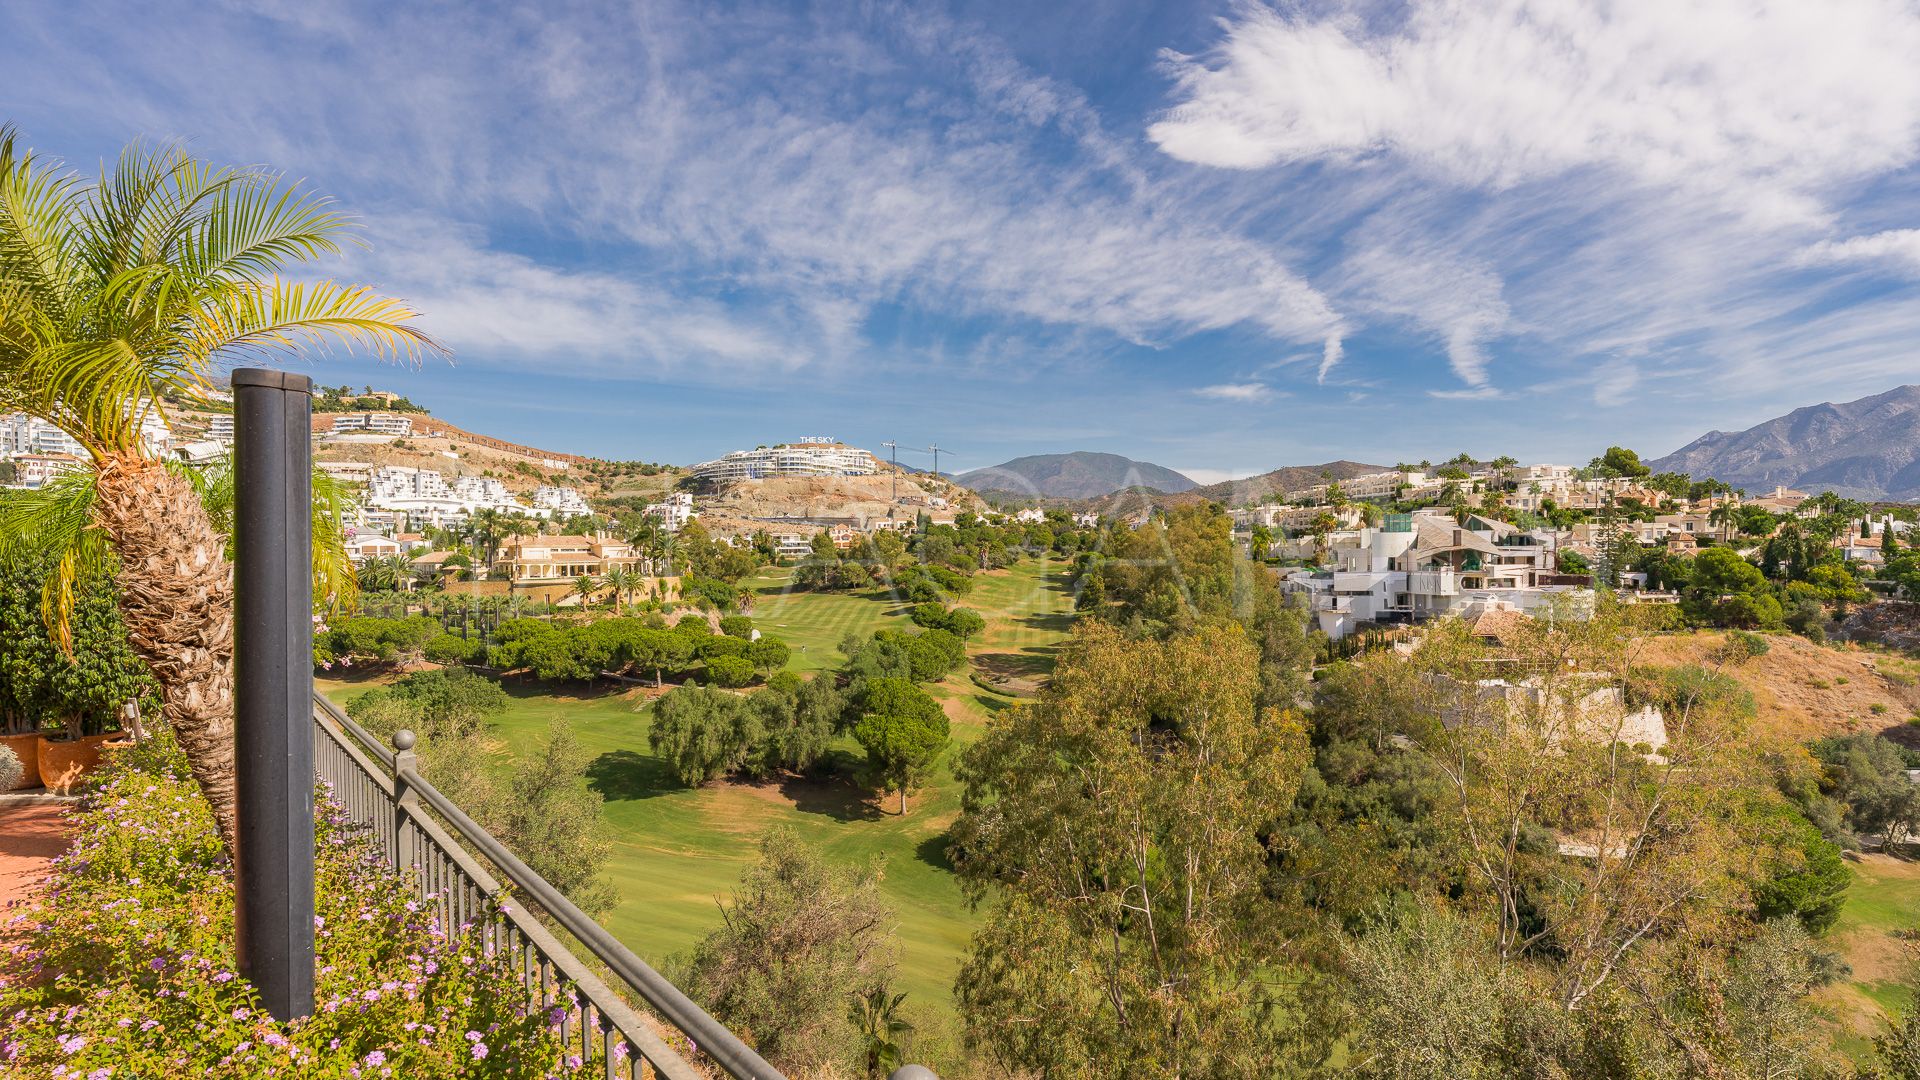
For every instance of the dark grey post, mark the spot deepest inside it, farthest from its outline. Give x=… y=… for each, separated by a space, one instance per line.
x=273 y=685
x=406 y=801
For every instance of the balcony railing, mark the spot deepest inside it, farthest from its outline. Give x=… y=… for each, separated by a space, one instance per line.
x=1433 y=583
x=420 y=829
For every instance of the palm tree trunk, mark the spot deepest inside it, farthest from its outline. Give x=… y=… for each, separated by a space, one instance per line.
x=176 y=596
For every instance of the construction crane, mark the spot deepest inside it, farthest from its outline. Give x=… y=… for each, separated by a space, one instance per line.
x=893 y=449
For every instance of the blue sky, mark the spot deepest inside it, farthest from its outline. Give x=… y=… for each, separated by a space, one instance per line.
x=1221 y=237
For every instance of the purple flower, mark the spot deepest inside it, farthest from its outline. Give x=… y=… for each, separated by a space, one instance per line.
x=378 y=1057
x=71 y=1044
x=479 y=1050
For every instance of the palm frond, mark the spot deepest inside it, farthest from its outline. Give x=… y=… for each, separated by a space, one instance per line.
x=248 y=318
x=56 y=520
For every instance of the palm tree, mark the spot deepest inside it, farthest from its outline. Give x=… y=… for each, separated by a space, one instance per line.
x=876 y=1016
x=622 y=581
x=584 y=587
x=1723 y=516
x=117 y=291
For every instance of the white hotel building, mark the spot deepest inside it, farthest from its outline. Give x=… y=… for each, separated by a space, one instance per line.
x=814 y=456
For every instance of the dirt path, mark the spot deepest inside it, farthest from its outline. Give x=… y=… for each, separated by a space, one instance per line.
x=31 y=834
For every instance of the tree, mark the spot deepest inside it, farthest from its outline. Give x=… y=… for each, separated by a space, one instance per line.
x=903 y=731
x=703 y=733
x=1619 y=461
x=136 y=284
x=729 y=671
x=1118 y=825
x=584 y=587
x=802 y=942
x=768 y=655
x=550 y=818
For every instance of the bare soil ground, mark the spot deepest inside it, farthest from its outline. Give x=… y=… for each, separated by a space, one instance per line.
x=1806 y=691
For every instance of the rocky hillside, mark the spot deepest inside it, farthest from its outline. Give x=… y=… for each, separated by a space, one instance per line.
x=742 y=507
x=1867 y=449
x=1079 y=475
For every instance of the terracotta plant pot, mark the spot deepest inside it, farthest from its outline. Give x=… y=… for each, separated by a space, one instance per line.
x=27 y=749
x=64 y=762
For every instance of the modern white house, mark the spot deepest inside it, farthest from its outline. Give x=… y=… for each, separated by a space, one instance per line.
x=220 y=429
x=1421 y=566
x=812 y=456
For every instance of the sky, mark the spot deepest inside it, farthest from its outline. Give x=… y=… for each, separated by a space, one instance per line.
x=1222 y=237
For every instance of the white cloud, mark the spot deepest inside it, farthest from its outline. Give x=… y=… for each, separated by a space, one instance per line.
x=1245 y=391
x=1452 y=297
x=1765 y=103
x=512 y=308
x=1899 y=246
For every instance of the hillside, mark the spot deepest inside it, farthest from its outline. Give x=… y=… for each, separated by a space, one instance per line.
x=1867 y=449
x=742 y=506
x=1805 y=691
x=1269 y=485
x=1082 y=474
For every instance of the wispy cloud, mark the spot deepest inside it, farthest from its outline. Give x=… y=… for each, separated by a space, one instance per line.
x=1786 y=98
x=1900 y=247
x=1241 y=391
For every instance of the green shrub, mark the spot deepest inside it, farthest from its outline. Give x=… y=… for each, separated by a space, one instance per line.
x=739 y=626
x=159 y=994
x=1877 y=709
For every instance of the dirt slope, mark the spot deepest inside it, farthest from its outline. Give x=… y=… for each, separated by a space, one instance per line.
x=1805 y=691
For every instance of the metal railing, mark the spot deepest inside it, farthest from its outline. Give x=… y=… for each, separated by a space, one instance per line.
x=383 y=790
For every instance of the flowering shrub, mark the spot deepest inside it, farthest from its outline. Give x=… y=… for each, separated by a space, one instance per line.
x=125 y=967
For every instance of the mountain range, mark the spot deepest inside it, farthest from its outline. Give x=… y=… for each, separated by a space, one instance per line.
x=1079 y=475
x=1867 y=449
x=1268 y=486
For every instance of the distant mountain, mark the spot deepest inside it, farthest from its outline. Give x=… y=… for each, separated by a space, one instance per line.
x=1867 y=449
x=1269 y=485
x=1079 y=475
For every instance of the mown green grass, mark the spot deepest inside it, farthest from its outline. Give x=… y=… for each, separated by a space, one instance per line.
x=677 y=852
x=1883 y=905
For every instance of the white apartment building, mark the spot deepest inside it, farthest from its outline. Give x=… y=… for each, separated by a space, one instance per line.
x=674 y=512
x=220 y=429
x=425 y=496
x=813 y=456
x=372 y=423
x=560 y=502
x=23 y=434
x=1380 y=485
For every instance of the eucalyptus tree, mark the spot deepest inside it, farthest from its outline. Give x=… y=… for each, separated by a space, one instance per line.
x=120 y=291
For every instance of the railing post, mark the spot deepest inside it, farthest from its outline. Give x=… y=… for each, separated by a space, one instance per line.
x=405 y=800
x=273 y=686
